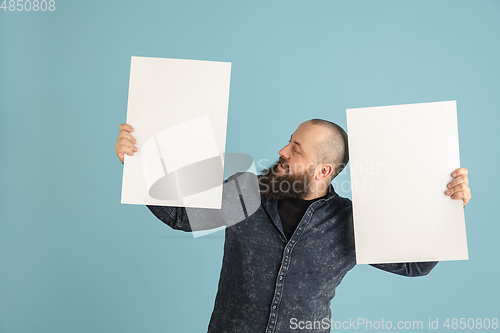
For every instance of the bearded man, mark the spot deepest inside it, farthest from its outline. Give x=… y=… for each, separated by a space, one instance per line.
x=285 y=257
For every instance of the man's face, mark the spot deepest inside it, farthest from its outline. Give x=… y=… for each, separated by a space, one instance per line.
x=292 y=175
x=298 y=155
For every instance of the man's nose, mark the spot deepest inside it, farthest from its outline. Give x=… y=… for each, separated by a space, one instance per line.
x=284 y=153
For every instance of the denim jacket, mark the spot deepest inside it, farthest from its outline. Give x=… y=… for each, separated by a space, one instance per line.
x=265 y=280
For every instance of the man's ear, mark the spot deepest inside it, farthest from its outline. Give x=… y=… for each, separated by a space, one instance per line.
x=325 y=170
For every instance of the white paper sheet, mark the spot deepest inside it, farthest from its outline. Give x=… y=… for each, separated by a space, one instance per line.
x=401 y=159
x=178 y=109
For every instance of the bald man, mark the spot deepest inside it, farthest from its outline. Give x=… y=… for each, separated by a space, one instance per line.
x=284 y=259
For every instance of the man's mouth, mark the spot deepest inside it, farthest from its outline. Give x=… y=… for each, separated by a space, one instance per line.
x=281 y=167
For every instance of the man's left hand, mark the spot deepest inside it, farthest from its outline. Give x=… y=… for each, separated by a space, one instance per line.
x=458 y=188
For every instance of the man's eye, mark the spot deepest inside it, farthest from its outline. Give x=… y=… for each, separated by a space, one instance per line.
x=295 y=150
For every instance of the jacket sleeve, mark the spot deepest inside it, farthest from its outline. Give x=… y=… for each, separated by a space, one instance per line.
x=174 y=217
x=240 y=198
x=408 y=269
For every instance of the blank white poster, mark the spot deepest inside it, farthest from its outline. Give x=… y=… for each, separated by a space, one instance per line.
x=178 y=109
x=401 y=159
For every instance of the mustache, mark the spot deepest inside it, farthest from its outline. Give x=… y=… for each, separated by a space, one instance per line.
x=283 y=162
x=274 y=168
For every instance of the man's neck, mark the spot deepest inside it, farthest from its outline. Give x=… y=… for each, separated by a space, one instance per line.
x=316 y=194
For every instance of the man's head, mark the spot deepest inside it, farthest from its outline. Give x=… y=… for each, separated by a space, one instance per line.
x=316 y=153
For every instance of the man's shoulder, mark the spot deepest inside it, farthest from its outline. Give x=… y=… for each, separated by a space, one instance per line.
x=342 y=204
x=243 y=175
x=242 y=188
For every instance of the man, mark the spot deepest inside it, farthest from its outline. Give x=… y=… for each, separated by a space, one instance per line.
x=284 y=259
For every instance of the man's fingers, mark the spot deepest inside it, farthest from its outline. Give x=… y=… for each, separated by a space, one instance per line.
x=458 y=195
x=460 y=191
x=127 y=151
x=124 y=142
x=126 y=127
x=124 y=146
x=460 y=171
x=464 y=195
x=128 y=136
x=458 y=180
x=122 y=150
x=457 y=188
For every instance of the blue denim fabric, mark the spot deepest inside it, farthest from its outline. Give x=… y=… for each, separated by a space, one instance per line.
x=266 y=281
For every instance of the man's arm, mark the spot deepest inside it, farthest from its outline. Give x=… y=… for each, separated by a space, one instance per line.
x=408 y=269
x=240 y=197
x=189 y=219
x=174 y=217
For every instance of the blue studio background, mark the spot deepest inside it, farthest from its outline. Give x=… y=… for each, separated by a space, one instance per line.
x=73 y=259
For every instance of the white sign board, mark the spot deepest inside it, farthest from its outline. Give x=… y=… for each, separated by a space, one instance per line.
x=178 y=109
x=401 y=159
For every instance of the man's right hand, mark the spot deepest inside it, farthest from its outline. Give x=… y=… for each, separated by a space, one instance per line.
x=125 y=142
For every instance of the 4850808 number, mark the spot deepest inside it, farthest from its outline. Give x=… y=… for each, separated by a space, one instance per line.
x=28 y=5
x=471 y=323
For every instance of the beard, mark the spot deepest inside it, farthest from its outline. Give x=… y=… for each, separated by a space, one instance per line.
x=277 y=184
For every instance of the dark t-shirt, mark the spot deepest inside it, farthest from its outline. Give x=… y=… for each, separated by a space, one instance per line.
x=291 y=212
